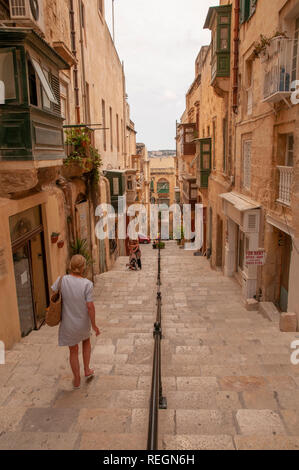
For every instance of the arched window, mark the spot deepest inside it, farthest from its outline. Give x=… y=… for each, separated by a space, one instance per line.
x=163 y=186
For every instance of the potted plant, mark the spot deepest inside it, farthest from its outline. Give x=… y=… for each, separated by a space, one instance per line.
x=54 y=237
x=60 y=244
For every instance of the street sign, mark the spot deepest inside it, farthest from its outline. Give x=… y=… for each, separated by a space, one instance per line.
x=255 y=258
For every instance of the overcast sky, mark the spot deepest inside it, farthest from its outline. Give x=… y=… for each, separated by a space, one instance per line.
x=158 y=40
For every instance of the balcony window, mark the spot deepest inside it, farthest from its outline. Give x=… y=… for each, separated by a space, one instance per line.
x=280 y=64
x=205 y=162
x=219 y=22
x=8 y=73
x=286 y=171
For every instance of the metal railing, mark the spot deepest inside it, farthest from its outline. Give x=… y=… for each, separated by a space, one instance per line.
x=157 y=401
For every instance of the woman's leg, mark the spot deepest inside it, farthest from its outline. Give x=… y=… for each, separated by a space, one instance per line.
x=74 y=362
x=86 y=350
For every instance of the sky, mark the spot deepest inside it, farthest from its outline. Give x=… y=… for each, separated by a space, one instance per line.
x=158 y=40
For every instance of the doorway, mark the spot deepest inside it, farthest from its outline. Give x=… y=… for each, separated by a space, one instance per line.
x=30 y=269
x=219 y=248
x=286 y=250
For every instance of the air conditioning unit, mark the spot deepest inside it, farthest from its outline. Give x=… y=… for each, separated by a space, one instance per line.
x=29 y=13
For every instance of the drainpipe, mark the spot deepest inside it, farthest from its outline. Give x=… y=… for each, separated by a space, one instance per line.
x=236 y=57
x=83 y=59
x=74 y=52
x=125 y=115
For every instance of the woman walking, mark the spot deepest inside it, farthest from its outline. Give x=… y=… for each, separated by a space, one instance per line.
x=78 y=316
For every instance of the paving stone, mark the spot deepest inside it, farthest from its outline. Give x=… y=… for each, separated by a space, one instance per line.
x=103 y=420
x=206 y=422
x=112 y=441
x=260 y=422
x=239 y=384
x=48 y=420
x=38 y=441
x=177 y=442
x=267 y=442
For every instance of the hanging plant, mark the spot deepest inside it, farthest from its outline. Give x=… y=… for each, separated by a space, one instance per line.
x=260 y=47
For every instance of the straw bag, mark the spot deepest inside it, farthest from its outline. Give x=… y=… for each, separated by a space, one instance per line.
x=53 y=315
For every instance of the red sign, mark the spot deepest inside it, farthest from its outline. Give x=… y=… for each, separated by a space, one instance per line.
x=256 y=258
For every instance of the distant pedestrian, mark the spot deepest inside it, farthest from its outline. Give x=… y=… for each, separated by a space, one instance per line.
x=78 y=316
x=135 y=251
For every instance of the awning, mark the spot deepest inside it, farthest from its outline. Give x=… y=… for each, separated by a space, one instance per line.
x=241 y=203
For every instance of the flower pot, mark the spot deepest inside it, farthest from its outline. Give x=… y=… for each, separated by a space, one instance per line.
x=60 y=244
x=54 y=240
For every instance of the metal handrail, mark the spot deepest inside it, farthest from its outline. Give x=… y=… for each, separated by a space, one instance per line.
x=157 y=400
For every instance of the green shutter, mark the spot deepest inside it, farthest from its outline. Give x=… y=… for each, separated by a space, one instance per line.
x=205 y=161
x=244 y=10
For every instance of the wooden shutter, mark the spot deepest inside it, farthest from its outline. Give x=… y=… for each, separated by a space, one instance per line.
x=205 y=161
x=55 y=84
x=244 y=10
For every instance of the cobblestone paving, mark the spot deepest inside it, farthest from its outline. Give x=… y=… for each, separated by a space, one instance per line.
x=226 y=371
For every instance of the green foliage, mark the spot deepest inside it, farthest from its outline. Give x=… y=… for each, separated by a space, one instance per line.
x=83 y=153
x=261 y=46
x=80 y=247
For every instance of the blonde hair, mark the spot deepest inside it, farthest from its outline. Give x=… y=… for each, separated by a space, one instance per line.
x=78 y=264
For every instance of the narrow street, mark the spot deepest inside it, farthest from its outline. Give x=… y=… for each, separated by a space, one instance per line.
x=226 y=372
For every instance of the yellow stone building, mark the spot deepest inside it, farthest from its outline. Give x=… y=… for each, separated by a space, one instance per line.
x=59 y=67
x=248 y=145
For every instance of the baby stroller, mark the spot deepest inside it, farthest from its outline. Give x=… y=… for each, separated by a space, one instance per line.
x=133 y=263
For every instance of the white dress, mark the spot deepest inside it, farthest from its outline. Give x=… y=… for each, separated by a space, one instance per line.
x=75 y=323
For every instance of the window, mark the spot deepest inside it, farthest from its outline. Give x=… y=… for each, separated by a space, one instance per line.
x=295 y=73
x=117 y=132
x=247 y=9
x=247 y=164
x=104 y=125
x=111 y=130
x=7 y=73
x=130 y=184
x=205 y=161
x=32 y=85
x=289 y=161
x=64 y=98
x=225 y=131
x=87 y=104
x=44 y=81
x=219 y=22
x=163 y=187
x=249 y=88
x=214 y=144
